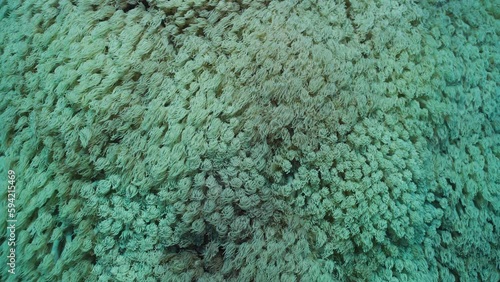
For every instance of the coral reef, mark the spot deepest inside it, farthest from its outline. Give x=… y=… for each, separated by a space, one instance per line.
x=247 y=140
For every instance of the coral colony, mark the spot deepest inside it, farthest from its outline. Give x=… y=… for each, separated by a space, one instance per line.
x=238 y=140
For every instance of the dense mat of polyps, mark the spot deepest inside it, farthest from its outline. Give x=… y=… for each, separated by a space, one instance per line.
x=252 y=140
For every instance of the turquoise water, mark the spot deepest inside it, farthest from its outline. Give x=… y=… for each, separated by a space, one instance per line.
x=250 y=140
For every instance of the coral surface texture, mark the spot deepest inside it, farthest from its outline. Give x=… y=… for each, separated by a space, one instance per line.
x=250 y=140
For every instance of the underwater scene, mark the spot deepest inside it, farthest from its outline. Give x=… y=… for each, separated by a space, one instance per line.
x=250 y=140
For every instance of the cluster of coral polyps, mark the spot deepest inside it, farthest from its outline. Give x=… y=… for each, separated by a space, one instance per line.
x=252 y=140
